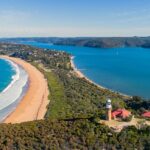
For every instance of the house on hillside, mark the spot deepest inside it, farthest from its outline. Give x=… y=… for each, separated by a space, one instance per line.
x=121 y=114
x=146 y=114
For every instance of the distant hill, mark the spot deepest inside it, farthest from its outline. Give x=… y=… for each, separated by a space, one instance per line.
x=146 y=45
x=99 y=42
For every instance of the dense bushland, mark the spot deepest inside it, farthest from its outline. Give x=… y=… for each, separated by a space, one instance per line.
x=79 y=134
x=75 y=103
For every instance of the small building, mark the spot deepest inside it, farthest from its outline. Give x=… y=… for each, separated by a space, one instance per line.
x=146 y=114
x=121 y=113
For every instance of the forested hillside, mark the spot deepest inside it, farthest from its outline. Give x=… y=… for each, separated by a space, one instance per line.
x=98 y=42
x=79 y=134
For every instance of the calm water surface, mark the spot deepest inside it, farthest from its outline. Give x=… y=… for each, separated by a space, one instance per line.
x=126 y=70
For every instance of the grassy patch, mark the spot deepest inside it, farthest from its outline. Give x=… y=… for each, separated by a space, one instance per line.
x=58 y=105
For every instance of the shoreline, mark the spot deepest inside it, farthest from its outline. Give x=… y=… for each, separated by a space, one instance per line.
x=16 y=90
x=14 y=77
x=81 y=75
x=34 y=102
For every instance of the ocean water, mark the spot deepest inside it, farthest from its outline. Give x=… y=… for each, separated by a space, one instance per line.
x=14 y=84
x=6 y=74
x=125 y=70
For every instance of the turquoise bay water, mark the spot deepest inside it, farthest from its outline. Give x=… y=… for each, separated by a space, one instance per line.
x=126 y=70
x=6 y=73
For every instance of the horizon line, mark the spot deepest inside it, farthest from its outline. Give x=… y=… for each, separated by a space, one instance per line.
x=74 y=37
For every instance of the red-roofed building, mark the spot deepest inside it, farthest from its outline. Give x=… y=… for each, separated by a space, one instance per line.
x=146 y=114
x=121 y=113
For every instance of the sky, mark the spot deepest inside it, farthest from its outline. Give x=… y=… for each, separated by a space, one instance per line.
x=74 y=18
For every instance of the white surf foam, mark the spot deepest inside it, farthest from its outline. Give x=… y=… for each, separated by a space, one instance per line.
x=13 y=93
x=14 y=77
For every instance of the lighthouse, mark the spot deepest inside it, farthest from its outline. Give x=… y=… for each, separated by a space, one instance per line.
x=108 y=108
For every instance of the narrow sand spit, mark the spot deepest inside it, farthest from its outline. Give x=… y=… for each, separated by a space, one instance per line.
x=33 y=105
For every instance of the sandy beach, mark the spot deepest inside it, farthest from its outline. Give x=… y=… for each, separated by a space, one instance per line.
x=33 y=105
x=81 y=75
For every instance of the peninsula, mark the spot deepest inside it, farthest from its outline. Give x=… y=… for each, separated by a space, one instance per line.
x=75 y=112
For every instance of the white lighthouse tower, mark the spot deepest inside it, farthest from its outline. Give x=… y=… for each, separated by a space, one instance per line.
x=109 y=109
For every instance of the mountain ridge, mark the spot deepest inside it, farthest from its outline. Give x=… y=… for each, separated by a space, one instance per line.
x=96 y=42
